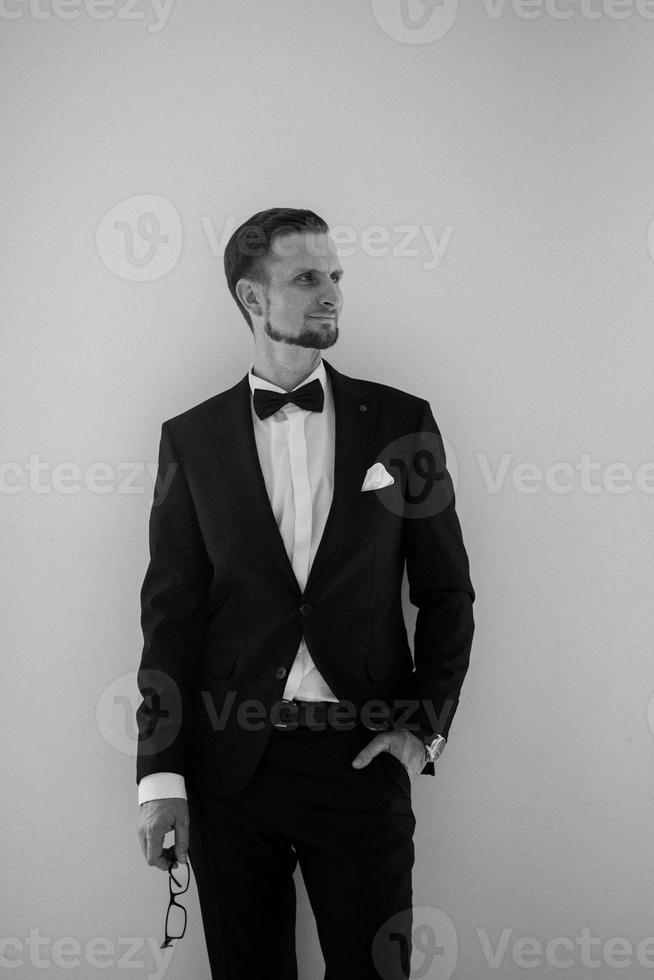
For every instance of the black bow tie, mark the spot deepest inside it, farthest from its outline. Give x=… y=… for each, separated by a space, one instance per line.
x=310 y=396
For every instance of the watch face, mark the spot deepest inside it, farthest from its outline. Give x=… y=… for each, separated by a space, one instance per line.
x=435 y=747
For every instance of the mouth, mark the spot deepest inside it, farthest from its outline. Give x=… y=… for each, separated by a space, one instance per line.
x=321 y=316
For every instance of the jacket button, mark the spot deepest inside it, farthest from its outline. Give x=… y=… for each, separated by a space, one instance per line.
x=305 y=608
x=280 y=673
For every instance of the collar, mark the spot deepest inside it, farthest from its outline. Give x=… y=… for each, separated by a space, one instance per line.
x=256 y=382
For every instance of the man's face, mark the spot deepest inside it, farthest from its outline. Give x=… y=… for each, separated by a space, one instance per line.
x=302 y=296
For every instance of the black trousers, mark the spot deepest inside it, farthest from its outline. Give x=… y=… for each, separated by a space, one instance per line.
x=351 y=830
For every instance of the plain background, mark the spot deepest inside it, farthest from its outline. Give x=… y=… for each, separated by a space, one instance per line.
x=530 y=139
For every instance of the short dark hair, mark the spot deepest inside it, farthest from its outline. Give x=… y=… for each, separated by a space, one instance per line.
x=252 y=240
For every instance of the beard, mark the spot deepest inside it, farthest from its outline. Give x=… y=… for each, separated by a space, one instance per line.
x=314 y=337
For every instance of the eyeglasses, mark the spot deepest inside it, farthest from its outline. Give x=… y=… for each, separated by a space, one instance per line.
x=178 y=883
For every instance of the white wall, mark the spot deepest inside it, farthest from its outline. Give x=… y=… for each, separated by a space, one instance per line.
x=526 y=134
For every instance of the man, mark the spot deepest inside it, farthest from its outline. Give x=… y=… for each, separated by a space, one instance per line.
x=283 y=717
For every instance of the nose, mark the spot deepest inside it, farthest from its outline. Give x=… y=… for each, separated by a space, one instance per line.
x=330 y=296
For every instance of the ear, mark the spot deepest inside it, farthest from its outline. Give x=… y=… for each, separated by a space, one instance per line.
x=250 y=295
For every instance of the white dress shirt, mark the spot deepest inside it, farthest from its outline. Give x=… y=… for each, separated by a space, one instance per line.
x=296 y=455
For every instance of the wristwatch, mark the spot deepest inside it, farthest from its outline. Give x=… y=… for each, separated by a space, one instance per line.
x=434 y=745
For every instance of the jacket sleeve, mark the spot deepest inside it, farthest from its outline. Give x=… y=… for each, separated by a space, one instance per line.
x=173 y=619
x=439 y=583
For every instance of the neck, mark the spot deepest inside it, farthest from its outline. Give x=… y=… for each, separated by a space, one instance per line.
x=286 y=367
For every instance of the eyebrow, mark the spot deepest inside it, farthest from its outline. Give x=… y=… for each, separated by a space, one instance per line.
x=302 y=270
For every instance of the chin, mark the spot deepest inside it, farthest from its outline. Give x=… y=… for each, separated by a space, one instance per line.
x=318 y=339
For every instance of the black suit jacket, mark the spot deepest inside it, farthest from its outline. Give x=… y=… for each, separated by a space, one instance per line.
x=223 y=614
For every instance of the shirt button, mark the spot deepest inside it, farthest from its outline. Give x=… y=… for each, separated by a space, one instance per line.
x=305 y=608
x=280 y=673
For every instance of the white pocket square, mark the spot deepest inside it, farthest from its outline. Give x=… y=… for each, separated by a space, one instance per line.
x=377 y=477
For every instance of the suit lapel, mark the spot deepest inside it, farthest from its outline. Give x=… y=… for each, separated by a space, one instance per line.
x=240 y=473
x=354 y=429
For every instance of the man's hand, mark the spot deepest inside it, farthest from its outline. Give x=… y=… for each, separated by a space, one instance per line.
x=156 y=818
x=404 y=745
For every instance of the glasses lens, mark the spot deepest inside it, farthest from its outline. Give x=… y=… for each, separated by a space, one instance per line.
x=176 y=922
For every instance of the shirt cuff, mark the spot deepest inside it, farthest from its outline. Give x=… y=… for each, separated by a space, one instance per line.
x=161 y=786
